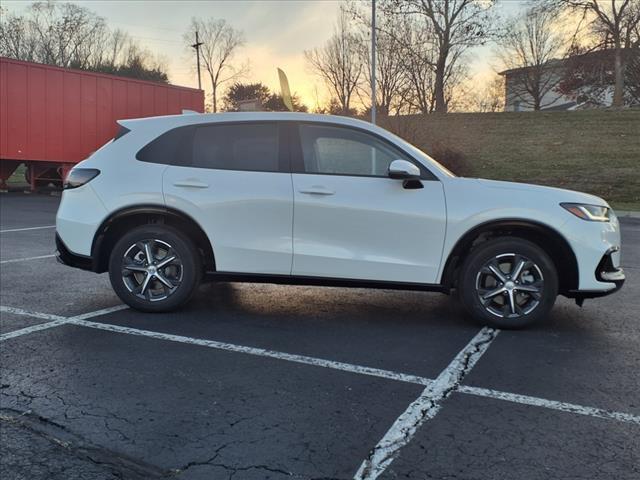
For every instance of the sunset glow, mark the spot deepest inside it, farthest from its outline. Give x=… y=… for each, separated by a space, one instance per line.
x=276 y=32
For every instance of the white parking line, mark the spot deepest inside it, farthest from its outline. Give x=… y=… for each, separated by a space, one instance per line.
x=26 y=228
x=32 y=329
x=98 y=313
x=79 y=320
x=55 y=320
x=26 y=259
x=425 y=407
x=27 y=313
x=551 y=404
x=261 y=352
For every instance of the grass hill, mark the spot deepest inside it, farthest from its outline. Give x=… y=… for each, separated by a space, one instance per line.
x=595 y=151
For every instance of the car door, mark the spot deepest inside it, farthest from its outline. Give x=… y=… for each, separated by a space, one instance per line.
x=351 y=220
x=236 y=184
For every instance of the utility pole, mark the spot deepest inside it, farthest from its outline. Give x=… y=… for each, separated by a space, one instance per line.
x=197 y=47
x=373 y=61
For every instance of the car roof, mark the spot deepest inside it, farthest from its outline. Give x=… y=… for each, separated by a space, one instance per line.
x=171 y=121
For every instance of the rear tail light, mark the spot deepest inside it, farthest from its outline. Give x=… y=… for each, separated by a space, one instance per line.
x=79 y=176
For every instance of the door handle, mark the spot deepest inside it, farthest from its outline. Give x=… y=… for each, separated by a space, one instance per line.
x=190 y=183
x=317 y=190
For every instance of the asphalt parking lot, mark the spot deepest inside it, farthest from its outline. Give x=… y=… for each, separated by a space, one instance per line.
x=268 y=382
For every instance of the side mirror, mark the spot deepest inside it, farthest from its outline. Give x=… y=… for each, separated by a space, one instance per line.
x=403 y=170
x=407 y=171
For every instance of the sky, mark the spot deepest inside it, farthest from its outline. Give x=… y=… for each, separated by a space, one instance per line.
x=277 y=32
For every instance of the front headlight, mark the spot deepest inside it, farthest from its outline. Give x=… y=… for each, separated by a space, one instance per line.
x=592 y=213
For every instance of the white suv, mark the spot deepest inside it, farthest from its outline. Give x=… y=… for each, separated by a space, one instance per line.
x=324 y=200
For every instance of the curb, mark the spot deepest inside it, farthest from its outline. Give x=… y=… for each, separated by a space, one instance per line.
x=627 y=214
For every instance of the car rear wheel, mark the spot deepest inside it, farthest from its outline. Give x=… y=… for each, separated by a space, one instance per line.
x=154 y=268
x=508 y=283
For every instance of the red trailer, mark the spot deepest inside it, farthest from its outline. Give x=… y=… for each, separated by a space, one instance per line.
x=52 y=118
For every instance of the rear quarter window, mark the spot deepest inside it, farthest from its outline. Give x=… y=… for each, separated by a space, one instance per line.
x=171 y=148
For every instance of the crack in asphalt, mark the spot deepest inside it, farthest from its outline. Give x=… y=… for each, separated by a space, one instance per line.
x=122 y=465
x=425 y=407
x=234 y=470
x=60 y=435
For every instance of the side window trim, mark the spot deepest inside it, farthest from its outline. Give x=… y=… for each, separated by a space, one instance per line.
x=297 y=157
x=285 y=139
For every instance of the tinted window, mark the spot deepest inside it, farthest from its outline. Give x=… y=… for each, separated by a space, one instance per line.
x=237 y=147
x=345 y=151
x=170 y=148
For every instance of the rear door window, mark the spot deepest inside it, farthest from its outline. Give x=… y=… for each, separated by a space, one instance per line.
x=241 y=146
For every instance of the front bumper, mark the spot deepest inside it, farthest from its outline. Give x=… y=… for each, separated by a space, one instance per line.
x=606 y=271
x=596 y=246
x=67 y=257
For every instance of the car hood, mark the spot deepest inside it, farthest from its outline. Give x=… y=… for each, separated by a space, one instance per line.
x=559 y=194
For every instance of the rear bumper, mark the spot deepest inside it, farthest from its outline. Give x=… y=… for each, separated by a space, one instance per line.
x=67 y=257
x=79 y=215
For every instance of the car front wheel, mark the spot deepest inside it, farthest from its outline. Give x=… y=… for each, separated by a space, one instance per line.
x=154 y=268
x=508 y=282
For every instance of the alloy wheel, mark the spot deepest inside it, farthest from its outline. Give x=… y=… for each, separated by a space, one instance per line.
x=152 y=269
x=510 y=285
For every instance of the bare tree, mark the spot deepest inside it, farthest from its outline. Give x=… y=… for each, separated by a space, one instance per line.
x=15 y=39
x=616 y=23
x=419 y=56
x=456 y=25
x=527 y=49
x=418 y=60
x=68 y=35
x=61 y=34
x=220 y=44
x=339 y=63
x=486 y=97
x=115 y=46
x=492 y=96
x=138 y=62
x=392 y=83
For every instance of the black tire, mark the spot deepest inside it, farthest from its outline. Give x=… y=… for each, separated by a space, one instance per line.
x=128 y=262
x=478 y=283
